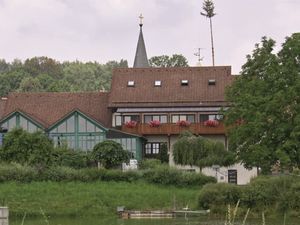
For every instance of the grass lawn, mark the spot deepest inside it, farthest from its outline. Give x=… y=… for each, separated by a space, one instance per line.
x=94 y=198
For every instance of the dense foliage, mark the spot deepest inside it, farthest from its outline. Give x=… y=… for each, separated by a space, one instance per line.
x=202 y=152
x=34 y=149
x=176 y=60
x=270 y=194
x=65 y=157
x=170 y=176
x=110 y=154
x=159 y=175
x=41 y=74
x=265 y=114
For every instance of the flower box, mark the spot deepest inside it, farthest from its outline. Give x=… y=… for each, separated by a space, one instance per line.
x=130 y=124
x=154 y=123
x=211 y=123
x=183 y=123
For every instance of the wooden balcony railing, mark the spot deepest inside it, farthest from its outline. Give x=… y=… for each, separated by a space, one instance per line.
x=168 y=129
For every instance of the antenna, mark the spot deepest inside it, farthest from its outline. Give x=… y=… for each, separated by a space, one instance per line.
x=198 y=53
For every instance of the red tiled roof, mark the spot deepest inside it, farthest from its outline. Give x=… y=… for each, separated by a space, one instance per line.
x=48 y=108
x=170 y=93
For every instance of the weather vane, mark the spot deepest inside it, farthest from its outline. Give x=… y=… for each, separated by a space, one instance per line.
x=141 y=19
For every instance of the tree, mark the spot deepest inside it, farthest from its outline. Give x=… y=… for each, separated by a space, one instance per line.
x=110 y=154
x=34 y=149
x=163 y=153
x=43 y=65
x=201 y=152
x=175 y=60
x=264 y=118
x=209 y=8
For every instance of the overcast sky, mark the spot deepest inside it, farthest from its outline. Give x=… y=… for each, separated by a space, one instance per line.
x=102 y=30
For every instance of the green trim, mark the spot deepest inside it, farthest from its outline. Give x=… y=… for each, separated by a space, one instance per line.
x=76 y=130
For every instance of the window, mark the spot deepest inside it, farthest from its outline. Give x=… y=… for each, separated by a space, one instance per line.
x=12 y=123
x=118 y=121
x=122 y=119
x=130 y=83
x=160 y=118
x=157 y=83
x=85 y=125
x=188 y=117
x=212 y=82
x=155 y=148
x=184 y=82
x=128 y=118
x=205 y=117
x=152 y=148
x=128 y=144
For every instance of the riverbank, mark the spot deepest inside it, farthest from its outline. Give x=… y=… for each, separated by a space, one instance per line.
x=91 y=199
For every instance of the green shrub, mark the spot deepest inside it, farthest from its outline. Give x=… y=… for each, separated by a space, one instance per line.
x=272 y=194
x=149 y=164
x=66 y=157
x=118 y=175
x=17 y=172
x=218 y=194
x=110 y=154
x=34 y=149
x=170 y=176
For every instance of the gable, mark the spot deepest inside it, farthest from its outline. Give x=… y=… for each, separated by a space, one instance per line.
x=20 y=120
x=77 y=122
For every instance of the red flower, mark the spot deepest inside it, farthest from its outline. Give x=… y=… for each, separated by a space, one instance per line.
x=154 y=123
x=211 y=123
x=131 y=124
x=183 y=123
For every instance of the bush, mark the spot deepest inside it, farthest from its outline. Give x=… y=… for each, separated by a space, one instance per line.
x=118 y=175
x=66 y=157
x=170 y=176
x=34 y=149
x=162 y=175
x=275 y=194
x=17 y=172
x=149 y=164
x=110 y=154
x=218 y=194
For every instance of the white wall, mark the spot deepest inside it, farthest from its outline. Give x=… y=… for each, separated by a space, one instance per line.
x=243 y=175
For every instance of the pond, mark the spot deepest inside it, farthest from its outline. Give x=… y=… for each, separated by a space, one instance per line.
x=175 y=221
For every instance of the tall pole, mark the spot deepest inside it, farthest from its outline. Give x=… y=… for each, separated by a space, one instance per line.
x=208 y=7
x=212 y=43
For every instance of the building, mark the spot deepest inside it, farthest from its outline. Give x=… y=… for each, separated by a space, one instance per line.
x=146 y=107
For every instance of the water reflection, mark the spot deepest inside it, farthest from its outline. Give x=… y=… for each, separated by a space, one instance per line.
x=175 y=221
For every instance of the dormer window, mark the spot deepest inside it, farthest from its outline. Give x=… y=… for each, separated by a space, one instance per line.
x=212 y=82
x=130 y=83
x=184 y=82
x=157 y=83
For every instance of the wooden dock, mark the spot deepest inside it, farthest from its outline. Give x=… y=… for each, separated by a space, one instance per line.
x=159 y=214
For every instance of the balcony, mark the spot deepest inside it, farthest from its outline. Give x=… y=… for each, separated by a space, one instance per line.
x=169 y=129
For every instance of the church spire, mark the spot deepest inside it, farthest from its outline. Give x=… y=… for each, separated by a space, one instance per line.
x=141 y=59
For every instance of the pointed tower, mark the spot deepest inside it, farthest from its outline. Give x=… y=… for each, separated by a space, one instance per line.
x=141 y=60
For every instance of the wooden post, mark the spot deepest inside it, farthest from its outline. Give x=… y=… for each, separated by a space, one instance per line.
x=4 y=213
